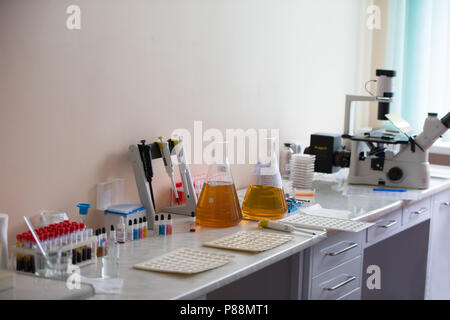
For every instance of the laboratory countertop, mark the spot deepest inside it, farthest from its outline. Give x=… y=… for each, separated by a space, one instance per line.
x=140 y=284
x=152 y=285
x=333 y=195
x=30 y=287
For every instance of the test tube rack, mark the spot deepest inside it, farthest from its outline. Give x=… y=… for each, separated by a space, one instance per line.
x=40 y=261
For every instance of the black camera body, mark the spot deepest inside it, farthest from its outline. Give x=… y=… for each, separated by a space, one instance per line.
x=330 y=156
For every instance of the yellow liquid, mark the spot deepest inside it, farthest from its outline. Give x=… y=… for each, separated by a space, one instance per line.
x=218 y=205
x=264 y=202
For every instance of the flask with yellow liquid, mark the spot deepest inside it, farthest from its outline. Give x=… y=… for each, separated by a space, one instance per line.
x=266 y=199
x=218 y=204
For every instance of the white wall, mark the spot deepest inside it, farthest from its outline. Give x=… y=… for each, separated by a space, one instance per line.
x=72 y=101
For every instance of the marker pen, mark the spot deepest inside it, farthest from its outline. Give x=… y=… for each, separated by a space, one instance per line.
x=389 y=190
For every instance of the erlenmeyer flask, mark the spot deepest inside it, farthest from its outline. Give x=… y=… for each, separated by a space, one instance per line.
x=218 y=204
x=265 y=199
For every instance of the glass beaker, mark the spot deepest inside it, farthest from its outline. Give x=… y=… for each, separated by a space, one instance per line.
x=266 y=199
x=218 y=204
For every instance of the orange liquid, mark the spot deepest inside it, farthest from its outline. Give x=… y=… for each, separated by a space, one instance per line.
x=218 y=205
x=264 y=202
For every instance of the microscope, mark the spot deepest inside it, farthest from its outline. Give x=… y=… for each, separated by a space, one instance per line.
x=389 y=158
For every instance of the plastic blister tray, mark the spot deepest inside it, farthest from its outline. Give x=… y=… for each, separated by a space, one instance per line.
x=185 y=261
x=307 y=220
x=252 y=241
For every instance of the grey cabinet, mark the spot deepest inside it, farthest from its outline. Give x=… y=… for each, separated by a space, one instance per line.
x=332 y=268
x=438 y=271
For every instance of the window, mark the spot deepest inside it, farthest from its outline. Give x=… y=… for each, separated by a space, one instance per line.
x=418 y=47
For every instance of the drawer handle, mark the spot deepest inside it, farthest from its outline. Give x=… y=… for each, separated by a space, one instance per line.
x=420 y=211
x=388 y=225
x=343 y=283
x=336 y=253
x=447 y=204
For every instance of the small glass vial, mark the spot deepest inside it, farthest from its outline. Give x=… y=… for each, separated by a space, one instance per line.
x=130 y=231
x=135 y=230
x=192 y=223
x=156 y=226
x=110 y=268
x=145 y=233
x=162 y=226
x=169 y=224
x=121 y=231
x=140 y=229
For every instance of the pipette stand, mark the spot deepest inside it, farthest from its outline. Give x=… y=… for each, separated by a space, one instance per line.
x=144 y=187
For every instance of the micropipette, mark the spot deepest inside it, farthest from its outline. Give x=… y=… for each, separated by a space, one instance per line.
x=165 y=151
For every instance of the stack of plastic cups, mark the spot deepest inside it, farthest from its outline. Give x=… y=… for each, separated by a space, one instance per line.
x=302 y=171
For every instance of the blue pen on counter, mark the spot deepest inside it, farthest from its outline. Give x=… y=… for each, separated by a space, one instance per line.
x=389 y=190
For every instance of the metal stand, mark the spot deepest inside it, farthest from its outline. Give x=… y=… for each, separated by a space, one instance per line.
x=188 y=185
x=141 y=158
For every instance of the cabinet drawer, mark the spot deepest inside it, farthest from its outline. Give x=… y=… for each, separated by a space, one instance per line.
x=417 y=212
x=338 y=281
x=335 y=250
x=385 y=227
x=354 y=295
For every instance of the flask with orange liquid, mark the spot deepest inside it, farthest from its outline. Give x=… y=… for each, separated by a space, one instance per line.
x=218 y=204
x=266 y=199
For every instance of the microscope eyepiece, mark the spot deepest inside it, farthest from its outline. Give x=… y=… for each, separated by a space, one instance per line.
x=446 y=120
x=384 y=90
x=387 y=73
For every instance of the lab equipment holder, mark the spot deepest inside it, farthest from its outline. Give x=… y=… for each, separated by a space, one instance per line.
x=141 y=158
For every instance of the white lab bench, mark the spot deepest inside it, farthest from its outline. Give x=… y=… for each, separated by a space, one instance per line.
x=409 y=242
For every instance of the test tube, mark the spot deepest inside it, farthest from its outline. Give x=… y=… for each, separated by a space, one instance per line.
x=19 y=256
x=83 y=248
x=73 y=241
x=29 y=265
x=99 y=243
x=104 y=241
x=89 y=233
